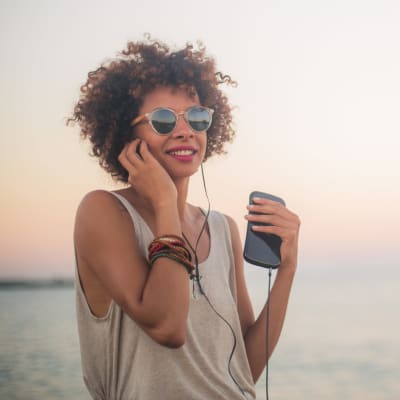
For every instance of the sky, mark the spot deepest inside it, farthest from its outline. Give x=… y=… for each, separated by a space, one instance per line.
x=316 y=113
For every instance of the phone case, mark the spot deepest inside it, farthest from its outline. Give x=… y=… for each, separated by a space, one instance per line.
x=262 y=249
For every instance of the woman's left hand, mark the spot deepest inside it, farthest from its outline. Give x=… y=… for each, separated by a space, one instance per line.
x=284 y=223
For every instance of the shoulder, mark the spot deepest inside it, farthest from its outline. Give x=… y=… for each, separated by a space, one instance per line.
x=97 y=198
x=102 y=224
x=231 y=222
x=231 y=228
x=98 y=201
x=223 y=218
x=99 y=209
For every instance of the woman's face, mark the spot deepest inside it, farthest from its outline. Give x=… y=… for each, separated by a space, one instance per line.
x=182 y=151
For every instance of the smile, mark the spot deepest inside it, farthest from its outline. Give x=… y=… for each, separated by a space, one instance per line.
x=181 y=152
x=185 y=154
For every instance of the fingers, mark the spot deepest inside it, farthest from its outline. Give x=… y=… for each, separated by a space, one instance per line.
x=130 y=159
x=130 y=156
x=133 y=151
x=268 y=206
x=145 y=151
x=271 y=219
x=287 y=234
x=283 y=222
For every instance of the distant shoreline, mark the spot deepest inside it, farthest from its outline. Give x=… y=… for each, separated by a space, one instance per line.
x=6 y=284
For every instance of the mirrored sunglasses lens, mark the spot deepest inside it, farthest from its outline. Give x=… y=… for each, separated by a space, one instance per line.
x=163 y=121
x=199 y=118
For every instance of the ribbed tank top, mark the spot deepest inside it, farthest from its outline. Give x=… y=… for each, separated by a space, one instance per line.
x=121 y=362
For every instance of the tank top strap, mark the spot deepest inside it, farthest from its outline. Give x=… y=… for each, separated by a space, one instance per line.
x=143 y=232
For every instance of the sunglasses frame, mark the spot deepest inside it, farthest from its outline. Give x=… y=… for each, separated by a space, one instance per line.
x=140 y=119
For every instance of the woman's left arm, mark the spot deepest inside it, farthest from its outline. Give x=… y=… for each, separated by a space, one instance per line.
x=285 y=224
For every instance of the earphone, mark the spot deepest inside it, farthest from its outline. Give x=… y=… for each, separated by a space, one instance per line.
x=197 y=280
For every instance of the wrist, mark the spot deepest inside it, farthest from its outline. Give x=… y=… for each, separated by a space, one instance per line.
x=167 y=220
x=164 y=204
x=287 y=268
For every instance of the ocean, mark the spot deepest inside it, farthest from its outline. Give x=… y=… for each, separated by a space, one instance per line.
x=341 y=339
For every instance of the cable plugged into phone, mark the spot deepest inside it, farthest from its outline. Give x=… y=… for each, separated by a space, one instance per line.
x=263 y=250
x=267 y=337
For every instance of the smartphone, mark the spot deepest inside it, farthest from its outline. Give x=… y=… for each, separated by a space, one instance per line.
x=262 y=249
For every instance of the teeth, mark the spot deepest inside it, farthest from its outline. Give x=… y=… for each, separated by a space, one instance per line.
x=182 y=152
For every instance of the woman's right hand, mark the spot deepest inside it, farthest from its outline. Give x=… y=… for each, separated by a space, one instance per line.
x=116 y=268
x=146 y=174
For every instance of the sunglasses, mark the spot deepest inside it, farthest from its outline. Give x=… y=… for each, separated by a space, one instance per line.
x=163 y=120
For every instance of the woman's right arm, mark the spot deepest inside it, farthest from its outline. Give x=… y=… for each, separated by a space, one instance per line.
x=157 y=298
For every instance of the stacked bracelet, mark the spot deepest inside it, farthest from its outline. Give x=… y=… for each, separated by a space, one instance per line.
x=172 y=247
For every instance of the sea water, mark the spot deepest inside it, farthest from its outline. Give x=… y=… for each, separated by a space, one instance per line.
x=341 y=339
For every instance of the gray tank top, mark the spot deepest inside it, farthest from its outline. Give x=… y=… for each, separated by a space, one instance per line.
x=121 y=362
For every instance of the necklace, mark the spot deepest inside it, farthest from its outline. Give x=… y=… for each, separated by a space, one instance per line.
x=197 y=275
x=188 y=242
x=194 y=250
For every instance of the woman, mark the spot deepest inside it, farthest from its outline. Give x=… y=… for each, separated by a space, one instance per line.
x=162 y=305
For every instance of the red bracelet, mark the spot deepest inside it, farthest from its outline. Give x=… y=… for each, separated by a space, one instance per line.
x=172 y=247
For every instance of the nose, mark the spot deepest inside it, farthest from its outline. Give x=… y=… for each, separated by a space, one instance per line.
x=182 y=129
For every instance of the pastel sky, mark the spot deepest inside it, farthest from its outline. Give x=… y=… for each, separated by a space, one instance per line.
x=317 y=118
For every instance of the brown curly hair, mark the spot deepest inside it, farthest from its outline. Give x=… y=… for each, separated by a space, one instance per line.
x=113 y=94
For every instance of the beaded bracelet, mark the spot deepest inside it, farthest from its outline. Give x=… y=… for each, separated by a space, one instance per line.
x=170 y=238
x=175 y=257
x=170 y=241
x=156 y=247
x=172 y=247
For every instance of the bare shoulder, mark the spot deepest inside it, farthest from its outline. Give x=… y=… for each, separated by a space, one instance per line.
x=244 y=306
x=231 y=221
x=236 y=241
x=97 y=207
x=100 y=217
x=97 y=201
x=103 y=233
x=233 y=229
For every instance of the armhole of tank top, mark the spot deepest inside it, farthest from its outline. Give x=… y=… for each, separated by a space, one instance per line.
x=78 y=282
x=83 y=299
x=131 y=211
x=228 y=236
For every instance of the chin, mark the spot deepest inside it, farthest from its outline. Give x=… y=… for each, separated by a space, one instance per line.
x=183 y=172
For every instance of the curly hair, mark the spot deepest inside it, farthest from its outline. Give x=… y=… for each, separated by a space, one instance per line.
x=113 y=94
